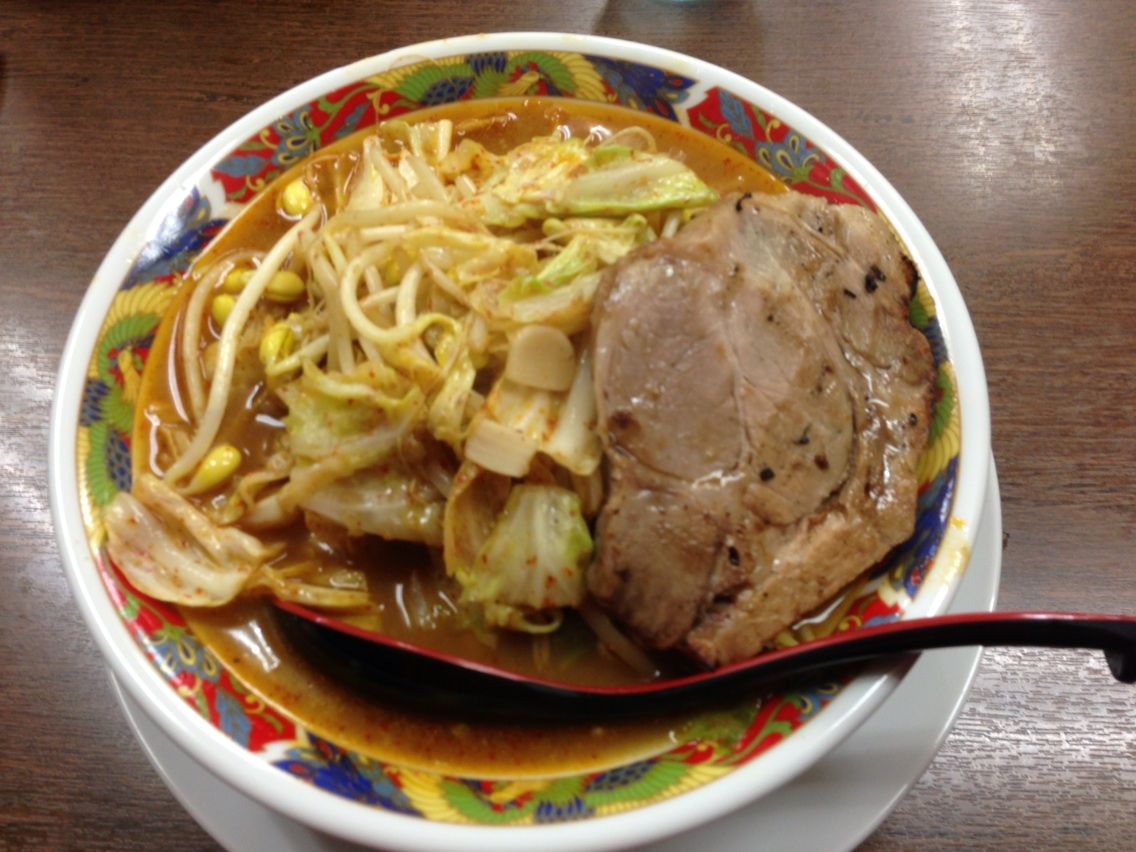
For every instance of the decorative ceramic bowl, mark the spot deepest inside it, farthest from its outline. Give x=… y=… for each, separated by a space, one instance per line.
x=729 y=758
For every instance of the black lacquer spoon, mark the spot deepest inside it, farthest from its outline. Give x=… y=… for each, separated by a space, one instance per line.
x=433 y=680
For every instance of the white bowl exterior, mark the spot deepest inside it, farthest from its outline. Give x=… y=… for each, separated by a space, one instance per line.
x=362 y=824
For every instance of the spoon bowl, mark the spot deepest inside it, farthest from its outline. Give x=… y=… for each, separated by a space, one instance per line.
x=432 y=680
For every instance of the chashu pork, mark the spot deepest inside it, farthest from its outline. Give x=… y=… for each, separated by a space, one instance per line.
x=762 y=401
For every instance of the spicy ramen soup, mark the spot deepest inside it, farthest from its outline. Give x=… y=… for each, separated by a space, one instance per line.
x=372 y=397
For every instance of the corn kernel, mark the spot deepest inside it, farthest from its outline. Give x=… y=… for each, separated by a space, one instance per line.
x=236 y=280
x=392 y=273
x=296 y=199
x=276 y=344
x=285 y=286
x=220 y=464
x=221 y=308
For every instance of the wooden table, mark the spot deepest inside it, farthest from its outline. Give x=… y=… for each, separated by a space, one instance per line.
x=1009 y=129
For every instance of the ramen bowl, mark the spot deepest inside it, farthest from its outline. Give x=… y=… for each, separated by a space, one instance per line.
x=718 y=762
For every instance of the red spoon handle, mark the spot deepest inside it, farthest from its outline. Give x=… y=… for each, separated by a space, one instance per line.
x=1113 y=634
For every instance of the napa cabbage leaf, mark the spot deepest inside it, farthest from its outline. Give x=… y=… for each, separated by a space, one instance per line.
x=533 y=560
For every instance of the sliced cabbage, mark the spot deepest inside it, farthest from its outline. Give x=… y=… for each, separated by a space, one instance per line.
x=618 y=179
x=427 y=139
x=551 y=176
x=446 y=417
x=560 y=292
x=337 y=424
x=468 y=159
x=389 y=504
x=338 y=414
x=534 y=559
x=612 y=238
x=476 y=499
x=528 y=180
x=368 y=190
x=574 y=442
x=591 y=244
x=567 y=308
x=574 y=260
x=170 y=550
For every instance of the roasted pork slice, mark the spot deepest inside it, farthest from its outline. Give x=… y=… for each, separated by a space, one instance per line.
x=762 y=399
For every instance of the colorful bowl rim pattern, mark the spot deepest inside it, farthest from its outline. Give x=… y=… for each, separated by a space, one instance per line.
x=239 y=165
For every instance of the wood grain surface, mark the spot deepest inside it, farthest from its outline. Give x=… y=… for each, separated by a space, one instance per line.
x=1009 y=127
